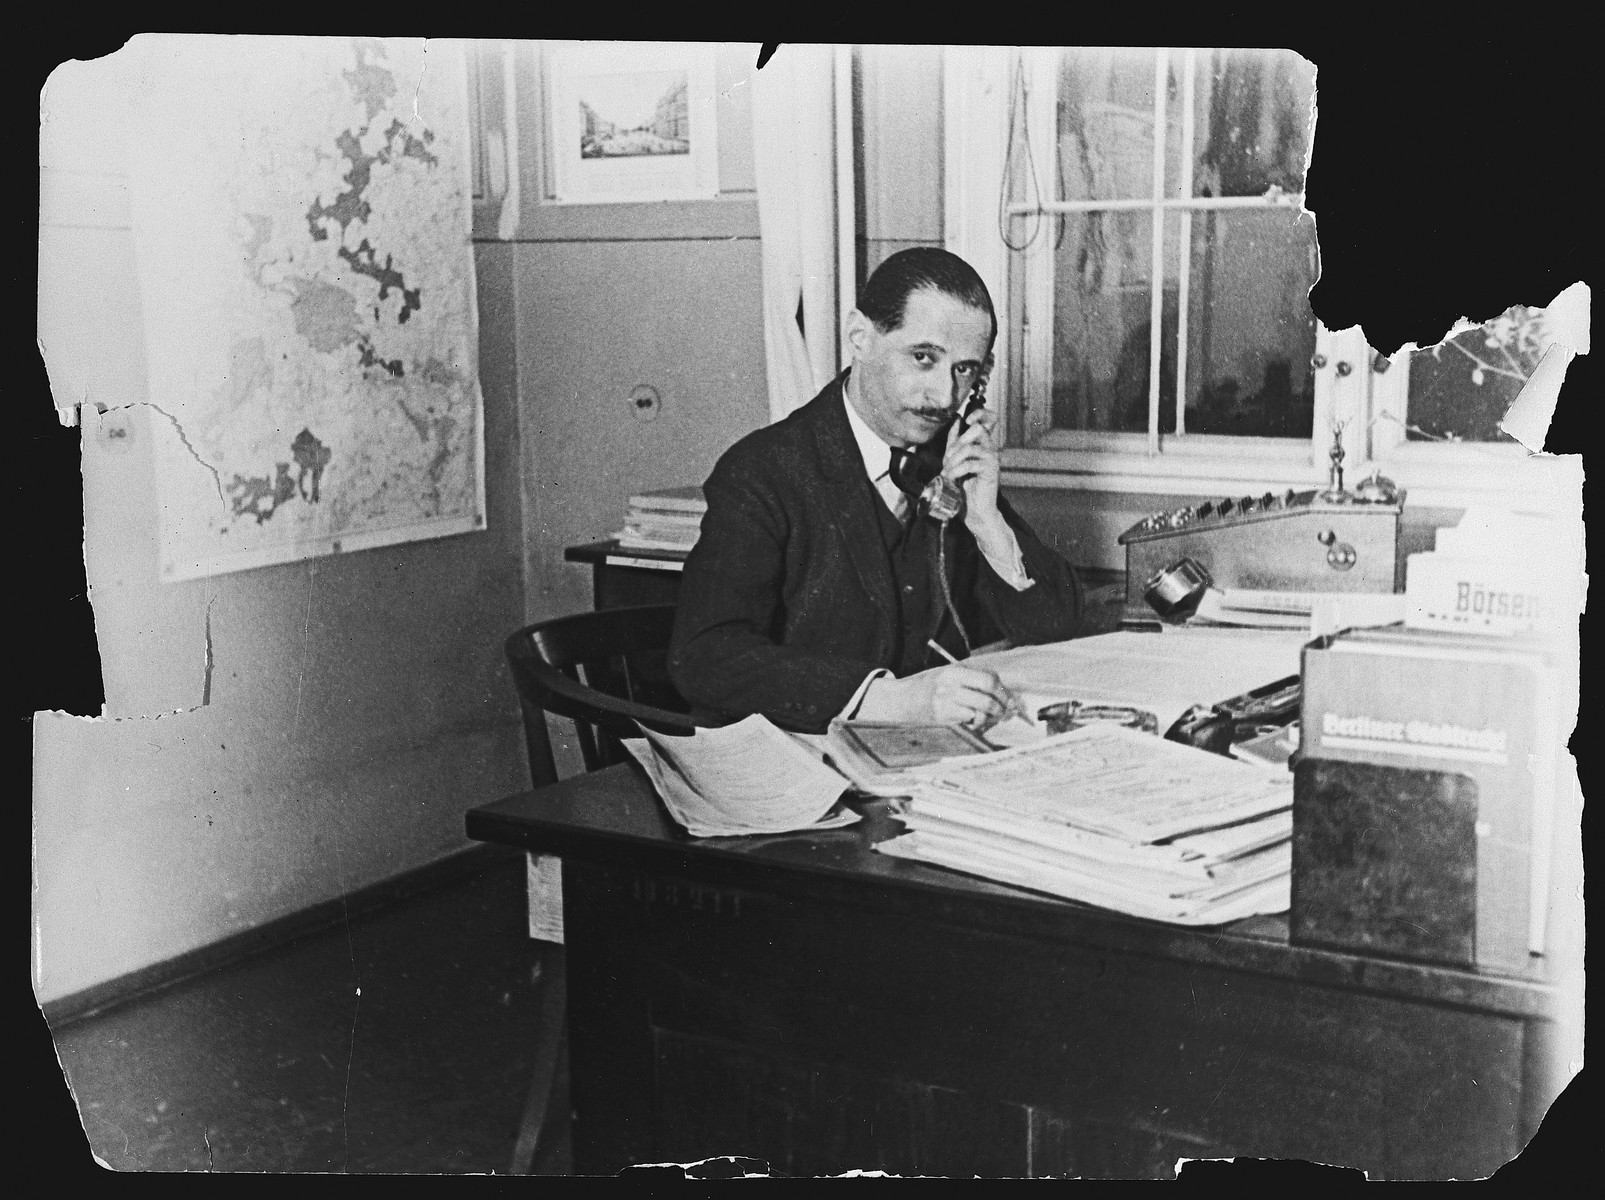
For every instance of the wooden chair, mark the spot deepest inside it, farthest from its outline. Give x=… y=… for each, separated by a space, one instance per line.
x=606 y=671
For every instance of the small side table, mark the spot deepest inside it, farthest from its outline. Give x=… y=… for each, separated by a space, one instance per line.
x=622 y=576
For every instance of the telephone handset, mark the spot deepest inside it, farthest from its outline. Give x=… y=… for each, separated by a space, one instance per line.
x=942 y=498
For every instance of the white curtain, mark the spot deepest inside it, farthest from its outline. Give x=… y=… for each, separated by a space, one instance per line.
x=794 y=160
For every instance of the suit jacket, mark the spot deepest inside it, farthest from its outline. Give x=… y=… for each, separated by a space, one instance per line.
x=788 y=599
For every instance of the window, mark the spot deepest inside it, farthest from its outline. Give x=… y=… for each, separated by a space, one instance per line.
x=1108 y=193
x=1434 y=419
x=1181 y=212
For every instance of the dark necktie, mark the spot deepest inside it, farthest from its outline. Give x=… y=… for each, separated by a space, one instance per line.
x=902 y=476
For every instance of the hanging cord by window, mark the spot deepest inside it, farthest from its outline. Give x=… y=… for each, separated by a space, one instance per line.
x=1486 y=449
x=1059 y=219
x=1017 y=109
x=947 y=588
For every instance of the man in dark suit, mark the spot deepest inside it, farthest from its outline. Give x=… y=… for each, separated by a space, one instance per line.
x=818 y=582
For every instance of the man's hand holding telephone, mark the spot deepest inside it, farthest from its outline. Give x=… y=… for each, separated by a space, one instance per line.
x=971 y=461
x=961 y=463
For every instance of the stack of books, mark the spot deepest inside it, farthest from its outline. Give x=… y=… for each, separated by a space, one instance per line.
x=1114 y=817
x=663 y=520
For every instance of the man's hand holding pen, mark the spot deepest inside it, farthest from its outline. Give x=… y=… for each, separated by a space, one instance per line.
x=960 y=693
x=1013 y=706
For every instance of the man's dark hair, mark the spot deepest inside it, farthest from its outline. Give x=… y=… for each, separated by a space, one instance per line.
x=884 y=299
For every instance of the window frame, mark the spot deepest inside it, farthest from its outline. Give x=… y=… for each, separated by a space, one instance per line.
x=1352 y=382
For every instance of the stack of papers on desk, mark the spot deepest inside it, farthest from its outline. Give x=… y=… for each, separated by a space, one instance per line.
x=1254 y=609
x=1316 y=613
x=1113 y=817
x=670 y=519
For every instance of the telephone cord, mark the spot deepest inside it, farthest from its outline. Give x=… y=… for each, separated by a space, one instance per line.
x=947 y=591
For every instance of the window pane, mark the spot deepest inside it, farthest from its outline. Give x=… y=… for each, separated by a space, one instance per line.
x=1100 y=323
x=1460 y=389
x=1252 y=121
x=1106 y=125
x=1250 y=329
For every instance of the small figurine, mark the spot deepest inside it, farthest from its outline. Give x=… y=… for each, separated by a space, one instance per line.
x=1334 y=493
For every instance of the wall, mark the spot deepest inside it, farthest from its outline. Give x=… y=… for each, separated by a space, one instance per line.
x=609 y=296
x=272 y=738
x=899 y=161
x=278 y=737
x=595 y=319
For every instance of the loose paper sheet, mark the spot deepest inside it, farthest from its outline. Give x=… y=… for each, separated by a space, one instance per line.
x=750 y=777
x=1165 y=673
x=544 y=886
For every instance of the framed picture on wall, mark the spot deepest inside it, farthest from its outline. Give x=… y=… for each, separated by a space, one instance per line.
x=632 y=122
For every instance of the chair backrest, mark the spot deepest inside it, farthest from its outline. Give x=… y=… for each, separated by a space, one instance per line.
x=605 y=671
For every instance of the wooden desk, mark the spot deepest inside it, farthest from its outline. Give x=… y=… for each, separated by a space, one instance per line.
x=621 y=577
x=802 y=1000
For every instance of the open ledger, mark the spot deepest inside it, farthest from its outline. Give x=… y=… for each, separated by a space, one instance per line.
x=877 y=756
x=1114 y=817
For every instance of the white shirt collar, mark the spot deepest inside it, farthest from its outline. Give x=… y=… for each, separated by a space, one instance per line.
x=876 y=451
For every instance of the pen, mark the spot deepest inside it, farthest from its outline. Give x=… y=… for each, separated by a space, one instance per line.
x=1015 y=707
